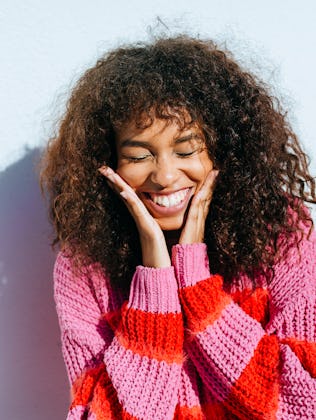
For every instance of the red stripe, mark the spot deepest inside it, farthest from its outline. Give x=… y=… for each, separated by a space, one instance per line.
x=305 y=352
x=113 y=318
x=254 y=303
x=159 y=336
x=186 y=413
x=203 y=303
x=105 y=404
x=95 y=391
x=214 y=411
x=83 y=387
x=255 y=394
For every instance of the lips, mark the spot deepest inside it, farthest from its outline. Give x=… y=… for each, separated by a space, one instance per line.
x=169 y=200
x=167 y=205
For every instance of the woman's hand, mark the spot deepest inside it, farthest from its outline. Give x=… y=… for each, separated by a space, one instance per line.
x=154 y=248
x=193 y=230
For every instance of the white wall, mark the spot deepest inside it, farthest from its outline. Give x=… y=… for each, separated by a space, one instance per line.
x=44 y=46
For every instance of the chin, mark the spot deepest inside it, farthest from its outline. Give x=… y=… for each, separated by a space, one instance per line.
x=174 y=223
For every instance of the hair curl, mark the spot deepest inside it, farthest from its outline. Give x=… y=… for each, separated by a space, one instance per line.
x=263 y=175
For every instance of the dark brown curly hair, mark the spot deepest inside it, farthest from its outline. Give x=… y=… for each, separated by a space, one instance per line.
x=263 y=174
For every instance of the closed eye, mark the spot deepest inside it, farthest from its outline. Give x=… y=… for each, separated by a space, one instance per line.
x=187 y=154
x=137 y=158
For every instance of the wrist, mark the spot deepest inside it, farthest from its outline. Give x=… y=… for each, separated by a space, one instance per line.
x=191 y=263
x=154 y=290
x=155 y=253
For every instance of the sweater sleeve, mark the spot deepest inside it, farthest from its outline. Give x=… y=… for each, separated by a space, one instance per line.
x=256 y=373
x=131 y=371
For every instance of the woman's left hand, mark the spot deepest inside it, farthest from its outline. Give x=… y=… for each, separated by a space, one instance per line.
x=194 y=228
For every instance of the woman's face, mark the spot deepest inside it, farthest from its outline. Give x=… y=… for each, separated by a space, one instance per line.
x=165 y=166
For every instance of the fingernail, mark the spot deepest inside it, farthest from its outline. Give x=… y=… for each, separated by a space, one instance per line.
x=214 y=173
x=106 y=170
x=103 y=170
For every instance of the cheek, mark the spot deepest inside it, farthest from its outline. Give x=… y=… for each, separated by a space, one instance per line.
x=201 y=168
x=133 y=175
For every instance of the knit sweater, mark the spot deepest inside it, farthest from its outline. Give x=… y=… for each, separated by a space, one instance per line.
x=181 y=345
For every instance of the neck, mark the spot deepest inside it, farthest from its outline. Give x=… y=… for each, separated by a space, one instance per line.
x=172 y=238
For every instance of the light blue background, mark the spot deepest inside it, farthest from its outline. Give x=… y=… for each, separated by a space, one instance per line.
x=45 y=46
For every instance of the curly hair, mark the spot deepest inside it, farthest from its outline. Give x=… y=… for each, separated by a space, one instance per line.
x=263 y=177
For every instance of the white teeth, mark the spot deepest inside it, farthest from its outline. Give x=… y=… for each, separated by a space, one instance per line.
x=170 y=200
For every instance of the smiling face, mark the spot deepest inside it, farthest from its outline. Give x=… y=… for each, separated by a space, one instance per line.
x=165 y=166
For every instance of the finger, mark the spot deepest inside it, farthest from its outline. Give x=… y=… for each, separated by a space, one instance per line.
x=203 y=197
x=146 y=224
x=208 y=186
x=154 y=248
x=115 y=178
x=129 y=196
x=193 y=230
x=134 y=204
x=122 y=187
x=113 y=186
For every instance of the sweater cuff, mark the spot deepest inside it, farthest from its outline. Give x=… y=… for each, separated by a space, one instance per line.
x=191 y=263
x=154 y=290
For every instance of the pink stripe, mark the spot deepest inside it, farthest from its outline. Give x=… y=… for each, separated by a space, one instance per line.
x=294 y=274
x=191 y=263
x=155 y=290
x=189 y=392
x=297 y=320
x=146 y=388
x=297 y=389
x=224 y=349
x=78 y=356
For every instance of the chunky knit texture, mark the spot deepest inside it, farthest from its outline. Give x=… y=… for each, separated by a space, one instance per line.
x=183 y=346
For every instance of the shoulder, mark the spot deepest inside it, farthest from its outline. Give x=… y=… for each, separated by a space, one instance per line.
x=68 y=275
x=295 y=272
x=80 y=287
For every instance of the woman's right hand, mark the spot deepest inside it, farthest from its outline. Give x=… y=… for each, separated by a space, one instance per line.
x=154 y=248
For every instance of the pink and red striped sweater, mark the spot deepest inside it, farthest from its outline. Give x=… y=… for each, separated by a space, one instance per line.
x=181 y=346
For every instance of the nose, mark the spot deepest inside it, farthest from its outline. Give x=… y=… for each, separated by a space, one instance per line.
x=164 y=172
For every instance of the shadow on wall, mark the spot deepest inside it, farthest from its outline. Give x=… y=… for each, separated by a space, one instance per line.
x=33 y=384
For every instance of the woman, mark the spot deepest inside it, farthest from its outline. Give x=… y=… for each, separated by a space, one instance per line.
x=185 y=284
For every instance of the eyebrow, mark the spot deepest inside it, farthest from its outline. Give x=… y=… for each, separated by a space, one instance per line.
x=140 y=143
